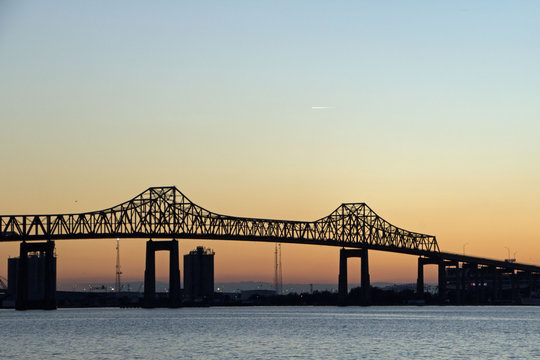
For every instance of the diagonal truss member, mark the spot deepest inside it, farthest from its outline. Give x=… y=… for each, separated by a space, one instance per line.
x=164 y=212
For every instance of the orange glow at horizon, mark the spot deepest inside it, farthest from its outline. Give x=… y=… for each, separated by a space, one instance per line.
x=93 y=261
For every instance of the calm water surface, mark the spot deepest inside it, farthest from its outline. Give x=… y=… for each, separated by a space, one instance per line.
x=273 y=333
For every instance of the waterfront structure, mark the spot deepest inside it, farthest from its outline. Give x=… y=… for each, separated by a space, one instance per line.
x=249 y=295
x=199 y=274
x=166 y=213
x=32 y=277
x=473 y=284
x=150 y=300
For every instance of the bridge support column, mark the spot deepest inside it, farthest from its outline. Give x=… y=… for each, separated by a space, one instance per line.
x=476 y=284
x=150 y=273
x=534 y=285
x=342 y=278
x=522 y=281
x=468 y=283
x=150 y=276
x=420 y=280
x=442 y=281
x=365 y=292
x=472 y=283
x=174 y=275
x=515 y=287
x=530 y=282
x=470 y=290
x=36 y=277
x=365 y=283
x=497 y=285
x=483 y=284
x=459 y=284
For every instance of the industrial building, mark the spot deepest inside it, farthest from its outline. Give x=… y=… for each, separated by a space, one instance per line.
x=38 y=289
x=199 y=274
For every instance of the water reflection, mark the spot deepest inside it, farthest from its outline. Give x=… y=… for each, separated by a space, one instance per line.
x=272 y=332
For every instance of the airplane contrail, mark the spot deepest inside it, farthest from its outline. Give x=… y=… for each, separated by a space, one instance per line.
x=320 y=107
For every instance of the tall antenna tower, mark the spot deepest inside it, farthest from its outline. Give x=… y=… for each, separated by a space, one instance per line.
x=278 y=276
x=118 y=283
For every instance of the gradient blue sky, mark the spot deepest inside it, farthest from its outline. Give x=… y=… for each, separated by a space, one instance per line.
x=433 y=118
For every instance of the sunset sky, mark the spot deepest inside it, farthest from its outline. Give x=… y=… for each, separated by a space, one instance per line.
x=427 y=111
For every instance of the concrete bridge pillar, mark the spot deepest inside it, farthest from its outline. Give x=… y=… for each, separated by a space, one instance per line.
x=150 y=272
x=459 y=284
x=523 y=280
x=442 y=281
x=529 y=277
x=471 y=283
x=420 y=279
x=342 y=278
x=174 y=274
x=497 y=284
x=365 y=282
x=483 y=284
x=150 y=275
x=476 y=283
x=534 y=284
x=36 y=277
x=515 y=287
x=365 y=293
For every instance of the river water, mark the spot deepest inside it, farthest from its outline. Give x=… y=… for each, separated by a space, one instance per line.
x=273 y=333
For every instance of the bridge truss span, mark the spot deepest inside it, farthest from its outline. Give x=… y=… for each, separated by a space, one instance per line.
x=164 y=212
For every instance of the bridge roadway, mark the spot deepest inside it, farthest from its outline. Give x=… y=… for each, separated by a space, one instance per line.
x=166 y=213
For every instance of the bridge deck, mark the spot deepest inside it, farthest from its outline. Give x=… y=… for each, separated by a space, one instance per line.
x=164 y=212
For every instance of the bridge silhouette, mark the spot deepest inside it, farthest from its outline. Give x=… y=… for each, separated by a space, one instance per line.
x=166 y=213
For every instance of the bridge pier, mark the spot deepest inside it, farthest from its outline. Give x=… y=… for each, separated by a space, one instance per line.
x=442 y=264
x=483 y=284
x=523 y=278
x=365 y=293
x=342 y=278
x=534 y=282
x=459 y=283
x=470 y=283
x=506 y=288
x=150 y=272
x=476 y=284
x=420 y=279
x=36 y=280
x=529 y=283
x=475 y=287
x=515 y=287
x=496 y=287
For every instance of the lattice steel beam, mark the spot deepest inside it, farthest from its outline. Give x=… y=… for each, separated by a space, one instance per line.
x=164 y=212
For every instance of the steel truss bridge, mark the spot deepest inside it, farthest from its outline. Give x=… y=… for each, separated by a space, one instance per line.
x=166 y=213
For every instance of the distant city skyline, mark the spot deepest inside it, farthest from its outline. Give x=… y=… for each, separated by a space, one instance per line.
x=428 y=112
x=228 y=287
